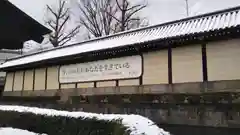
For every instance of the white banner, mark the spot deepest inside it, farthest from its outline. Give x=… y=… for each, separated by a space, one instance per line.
x=116 y=68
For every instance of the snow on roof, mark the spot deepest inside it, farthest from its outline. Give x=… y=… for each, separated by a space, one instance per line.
x=14 y=131
x=193 y=25
x=137 y=124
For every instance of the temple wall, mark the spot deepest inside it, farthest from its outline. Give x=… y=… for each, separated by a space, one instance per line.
x=187 y=64
x=223 y=60
x=155 y=67
x=222 y=64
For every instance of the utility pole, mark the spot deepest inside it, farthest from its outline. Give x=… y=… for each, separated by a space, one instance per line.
x=187 y=7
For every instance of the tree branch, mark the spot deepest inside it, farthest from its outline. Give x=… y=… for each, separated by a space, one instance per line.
x=103 y=17
x=58 y=23
x=50 y=9
x=134 y=12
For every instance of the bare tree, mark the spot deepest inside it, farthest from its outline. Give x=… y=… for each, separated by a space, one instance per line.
x=58 y=21
x=104 y=17
x=127 y=18
x=94 y=18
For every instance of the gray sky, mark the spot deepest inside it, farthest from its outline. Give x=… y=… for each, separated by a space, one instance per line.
x=166 y=10
x=158 y=11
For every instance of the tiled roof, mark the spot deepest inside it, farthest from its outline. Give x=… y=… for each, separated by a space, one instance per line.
x=16 y=26
x=229 y=18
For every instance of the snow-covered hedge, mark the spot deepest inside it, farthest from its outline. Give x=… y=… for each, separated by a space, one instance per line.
x=54 y=122
x=14 y=131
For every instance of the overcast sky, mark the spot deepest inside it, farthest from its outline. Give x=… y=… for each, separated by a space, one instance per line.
x=158 y=11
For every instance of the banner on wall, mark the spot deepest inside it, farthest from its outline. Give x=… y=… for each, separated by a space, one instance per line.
x=116 y=68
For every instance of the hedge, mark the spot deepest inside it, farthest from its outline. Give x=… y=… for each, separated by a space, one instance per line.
x=53 y=122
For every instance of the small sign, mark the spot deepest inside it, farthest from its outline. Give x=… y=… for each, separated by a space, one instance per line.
x=126 y=100
x=116 y=68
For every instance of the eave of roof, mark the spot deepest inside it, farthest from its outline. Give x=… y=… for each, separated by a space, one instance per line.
x=11 y=51
x=201 y=24
x=18 y=26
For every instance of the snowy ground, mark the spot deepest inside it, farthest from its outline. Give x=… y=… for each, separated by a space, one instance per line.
x=137 y=124
x=13 y=131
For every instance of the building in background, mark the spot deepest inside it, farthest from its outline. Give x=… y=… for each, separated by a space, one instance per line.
x=16 y=28
x=7 y=54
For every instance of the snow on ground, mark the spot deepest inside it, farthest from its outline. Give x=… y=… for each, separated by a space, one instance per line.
x=137 y=124
x=14 y=131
